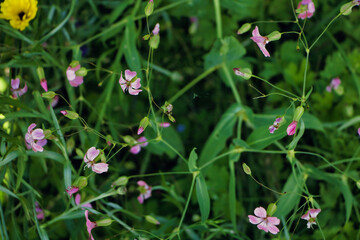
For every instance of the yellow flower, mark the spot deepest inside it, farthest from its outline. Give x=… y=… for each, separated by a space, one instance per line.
x=19 y=12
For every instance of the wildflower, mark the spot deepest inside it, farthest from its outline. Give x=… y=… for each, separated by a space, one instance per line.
x=260 y=41
x=359 y=131
x=155 y=39
x=19 y=12
x=15 y=88
x=335 y=82
x=35 y=138
x=71 y=190
x=78 y=199
x=89 y=159
x=305 y=9
x=310 y=216
x=156 y=29
x=263 y=221
x=291 y=128
x=275 y=125
x=164 y=124
x=39 y=212
x=131 y=82
x=71 y=73
x=89 y=225
x=43 y=84
x=55 y=101
x=145 y=191
x=137 y=148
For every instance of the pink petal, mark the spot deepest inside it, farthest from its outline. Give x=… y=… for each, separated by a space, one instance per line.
x=77 y=81
x=43 y=84
x=28 y=138
x=328 y=88
x=311 y=8
x=140 y=199
x=70 y=74
x=260 y=212
x=36 y=148
x=359 y=131
x=335 y=82
x=41 y=142
x=254 y=220
x=314 y=212
x=140 y=130
x=272 y=129
x=89 y=225
x=291 y=128
x=77 y=199
x=143 y=140
x=129 y=75
x=142 y=183
x=256 y=32
x=136 y=84
x=71 y=190
x=31 y=127
x=40 y=216
x=273 y=220
x=15 y=83
x=23 y=90
x=122 y=83
x=134 y=92
x=37 y=134
x=263 y=226
x=156 y=29
x=306 y=216
x=263 y=49
x=100 y=167
x=92 y=153
x=135 y=149
x=164 y=124
x=273 y=229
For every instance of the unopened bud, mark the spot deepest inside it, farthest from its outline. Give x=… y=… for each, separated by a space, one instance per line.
x=81 y=182
x=121 y=190
x=271 y=209
x=243 y=72
x=299 y=111
x=103 y=222
x=74 y=64
x=246 y=169
x=40 y=72
x=143 y=125
x=146 y=37
x=149 y=8
x=82 y=72
x=48 y=95
x=244 y=28
x=154 y=41
x=274 y=36
x=70 y=114
x=171 y=118
x=358 y=184
x=346 y=9
x=151 y=219
x=121 y=181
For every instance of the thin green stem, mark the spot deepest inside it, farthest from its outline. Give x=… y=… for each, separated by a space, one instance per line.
x=187 y=202
x=305 y=72
x=272 y=85
x=232 y=84
x=158 y=174
x=218 y=18
x=174 y=150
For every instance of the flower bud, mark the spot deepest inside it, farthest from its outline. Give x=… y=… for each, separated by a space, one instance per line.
x=151 y=219
x=171 y=118
x=48 y=95
x=121 y=190
x=146 y=37
x=271 y=209
x=274 y=36
x=40 y=72
x=143 y=125
x=346 y=9
x=81 y=182
x=299 y=111
x=244 y=28
x=74 y=63
x=149 y=8
x=243 y=72
x=82 y=72
x=103 y=222
x=358 y=184
x=154 y=41
x=246 y=169
x=70 y=114
x=121 y=181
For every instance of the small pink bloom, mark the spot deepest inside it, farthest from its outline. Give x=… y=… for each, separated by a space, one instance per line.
x=310 y=216
x=307 y=9
x=260 y=41
x=275 y=125
x=140 y=130
x=130 y=83
x=35 y=138
x=291 y=128
x=15 y=88
x=55 y=101
x=71 y=190
x=145 y=191
x=39 y=212
x=264 y=222
x=359 y=131
x=89 y=159
x=74 y=80
x=164 y=124
x=334 y=84
x=78 y=199
x=89 y=225
x=43 y=84
x=156 y=29
x=137 y=148
x=64 y=112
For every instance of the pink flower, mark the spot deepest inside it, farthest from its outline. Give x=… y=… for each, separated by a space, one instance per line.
x=89 y=159
x=156 y=29
x=39 y=212
x=43 y=84
x=89 y=225
x=55 y=101
x=335 y=82
x=131 y=82
x=74 y=80
x=359 y=131
x=263 y=221
x=145 y=191
x=35 y=138
x=15 y=88
x=71 y=190
x=310 y=216
x=78 y=199
x=137 y=148
x=275 y=125
x=164 y=124
x=291 y=128
x=306 y=9
x=260 y=41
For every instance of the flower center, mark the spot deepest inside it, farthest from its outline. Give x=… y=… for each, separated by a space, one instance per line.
x=21 y=15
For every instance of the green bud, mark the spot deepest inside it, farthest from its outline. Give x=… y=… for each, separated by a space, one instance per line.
x=358 y=184
x=82 y=72
x=47 y=133
x=146 y=37
x=70 y=144
x=171 y=118
x=246 y=169
x=102 y=156
x=339 y=90
x=176 y=77
x=121 y=181
x=274 y=36
x=299 y=111
x=48 y=95
x=149 y=8
x=74 y=63
x=70 y=114
x=154 y=41
x=103 y=222
x=79 y=153
x=80 y=182
x=129 y=140
x=245 y=73
x=151 y=219
x=40 y=72
x=143 y=125
x=121 y=190
x=346 y=9
x=271 y=209
x=244 y=28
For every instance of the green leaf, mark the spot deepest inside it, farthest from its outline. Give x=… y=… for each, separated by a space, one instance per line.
x=192 y=161
x=261 y=137
x=130 y=51
x=203 y=197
